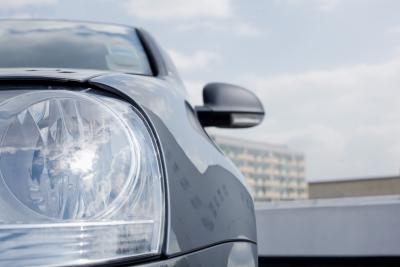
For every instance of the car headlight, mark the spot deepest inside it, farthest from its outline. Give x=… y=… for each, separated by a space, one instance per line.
x=80 y=180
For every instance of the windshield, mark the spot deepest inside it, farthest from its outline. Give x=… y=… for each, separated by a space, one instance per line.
x=44 y=44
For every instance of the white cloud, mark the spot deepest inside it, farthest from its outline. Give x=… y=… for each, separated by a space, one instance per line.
x=195 y=90
x=18 y=16
x=17 y=4
x=200 y=59
x=327 y=5
x=322 y=5
x=178 y=9
x=247 y=30
x=202 y=25
x=393 y=29
x=346 y=120
x=240 y=29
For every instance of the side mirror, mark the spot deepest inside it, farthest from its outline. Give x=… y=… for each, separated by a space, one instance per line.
x=229 y=106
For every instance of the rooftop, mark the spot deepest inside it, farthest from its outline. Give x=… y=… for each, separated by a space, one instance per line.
x=252 y=144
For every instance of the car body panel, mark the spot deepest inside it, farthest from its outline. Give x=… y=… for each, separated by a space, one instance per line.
x=233 y=254
x=207 y=200
x=61 y=75
x=206 y=197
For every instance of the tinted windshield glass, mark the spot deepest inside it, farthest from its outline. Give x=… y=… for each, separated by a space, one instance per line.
x=43 y=44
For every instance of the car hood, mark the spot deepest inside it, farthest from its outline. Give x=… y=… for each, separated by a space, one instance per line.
x=50 y=74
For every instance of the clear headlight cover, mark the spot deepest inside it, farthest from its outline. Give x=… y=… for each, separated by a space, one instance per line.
x=80 y=181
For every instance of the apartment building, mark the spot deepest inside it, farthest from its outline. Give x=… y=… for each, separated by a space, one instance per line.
x=272 y=172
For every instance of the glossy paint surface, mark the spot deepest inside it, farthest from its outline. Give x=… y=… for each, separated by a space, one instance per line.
x=207 y=201
x=238 y=254
x=206 y=198
x=67 y=44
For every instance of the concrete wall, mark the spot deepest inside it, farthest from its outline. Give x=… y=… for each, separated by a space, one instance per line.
x=355 y=188
x=331 y=227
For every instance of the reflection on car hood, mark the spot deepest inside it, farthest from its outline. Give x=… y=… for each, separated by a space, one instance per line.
x=56 y=74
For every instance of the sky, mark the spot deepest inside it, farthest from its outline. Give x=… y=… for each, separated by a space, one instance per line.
x=327 y=71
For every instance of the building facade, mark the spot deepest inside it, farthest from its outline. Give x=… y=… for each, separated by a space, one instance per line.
x=272 y=172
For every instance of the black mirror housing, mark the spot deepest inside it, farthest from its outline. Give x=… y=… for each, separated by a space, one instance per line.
x=229 y=106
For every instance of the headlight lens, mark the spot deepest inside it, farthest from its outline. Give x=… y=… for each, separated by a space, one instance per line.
x=80 y=181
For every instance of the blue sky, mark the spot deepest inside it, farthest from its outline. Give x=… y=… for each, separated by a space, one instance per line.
x=326 y=70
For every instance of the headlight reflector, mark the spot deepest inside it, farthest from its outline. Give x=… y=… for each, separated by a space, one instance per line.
x=80 y=180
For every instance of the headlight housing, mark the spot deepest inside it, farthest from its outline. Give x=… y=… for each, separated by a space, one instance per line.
x=80 y=180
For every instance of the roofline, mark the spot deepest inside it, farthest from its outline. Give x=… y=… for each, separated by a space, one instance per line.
x=354 y=179
x=225 y=139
